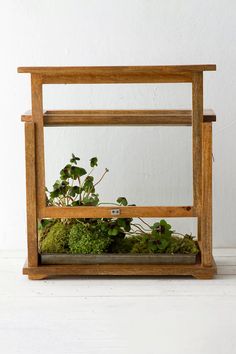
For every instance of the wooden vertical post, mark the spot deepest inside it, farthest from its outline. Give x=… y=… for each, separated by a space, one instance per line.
x=197 y=112
x=197 y=122
x=206 y=217
x=37 y=116
x=31 y=195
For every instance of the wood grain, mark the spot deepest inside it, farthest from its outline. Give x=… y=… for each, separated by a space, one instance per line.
x=118 y=70
x=31 y=207
x=125 y=212
x=116 y=74
x=196 y=270
x=37 y=116
x=133 y=77
x=197 y=119
x=119 y=117
x=206 y=211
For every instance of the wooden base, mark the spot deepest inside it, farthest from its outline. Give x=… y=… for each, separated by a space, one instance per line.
x=195 y=270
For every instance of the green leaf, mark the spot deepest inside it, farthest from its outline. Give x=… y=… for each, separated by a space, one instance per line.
x=127 y=227
x=76 y=203
x=165 y=224
x=92 y=200
x=122 y=201
x=55 y=193
x=88 y=184
x=162 y=228
x=93 y=161
x=121 y=222
x=65 y=173
x=74 y=159
x=77 y=172
x=56 y=185
x=73 y=191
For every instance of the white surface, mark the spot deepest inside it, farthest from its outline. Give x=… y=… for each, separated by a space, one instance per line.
x=117 y=315
x=130 y=32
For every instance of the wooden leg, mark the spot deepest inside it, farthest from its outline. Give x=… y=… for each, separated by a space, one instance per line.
x=37 y=276
x=202 y=276
x=31 y=194
x=206 y=210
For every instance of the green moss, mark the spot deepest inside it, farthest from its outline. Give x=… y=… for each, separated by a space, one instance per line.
x=123 y=244
x=184 y=245
x=85 y=239
x=141 y=246
x=89 y=236
x=54 y=239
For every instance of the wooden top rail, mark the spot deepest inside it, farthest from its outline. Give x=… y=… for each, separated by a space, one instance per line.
x=119 y=117
x=116 y=74
x=57 y=70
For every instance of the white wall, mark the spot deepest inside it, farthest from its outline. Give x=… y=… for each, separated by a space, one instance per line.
x=122 y=32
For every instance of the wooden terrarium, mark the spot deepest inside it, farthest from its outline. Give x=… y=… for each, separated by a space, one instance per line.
x=69 y=231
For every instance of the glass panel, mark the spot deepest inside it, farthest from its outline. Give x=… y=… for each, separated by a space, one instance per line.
x=121 y=96
x=147 y=165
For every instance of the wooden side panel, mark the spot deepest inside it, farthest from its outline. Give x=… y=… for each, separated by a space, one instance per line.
x=37 y=116
x=206 y=217
x=197 y=111
x=31 y=195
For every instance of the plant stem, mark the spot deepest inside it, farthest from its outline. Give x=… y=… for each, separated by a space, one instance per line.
x=106 y=170
x=145 y=223
x=138 y=227
x=90 y=172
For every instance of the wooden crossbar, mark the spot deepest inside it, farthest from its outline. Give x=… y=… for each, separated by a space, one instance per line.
x=125 y=212
x=119 y=117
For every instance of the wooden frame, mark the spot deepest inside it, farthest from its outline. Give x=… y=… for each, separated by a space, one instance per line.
x=202 y=161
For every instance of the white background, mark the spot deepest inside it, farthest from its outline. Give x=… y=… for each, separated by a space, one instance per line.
x=142 y=32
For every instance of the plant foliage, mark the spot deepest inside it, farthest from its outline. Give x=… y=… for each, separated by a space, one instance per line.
x=77 y=187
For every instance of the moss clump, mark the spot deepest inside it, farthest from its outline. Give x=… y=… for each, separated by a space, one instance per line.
x=85 y=239
x=86 y=236
x=141 y=246
x=184 y=245
x=54 y=239
x=123 y=244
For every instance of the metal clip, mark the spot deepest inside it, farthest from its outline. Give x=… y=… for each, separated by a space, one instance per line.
x=115 y=212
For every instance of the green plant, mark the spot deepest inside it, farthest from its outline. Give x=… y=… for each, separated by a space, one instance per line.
x=162 y=239
x=184 y=245
x=87 y=239
x=90 y=236
x=123 y=244
x=177 y=244
x=75 y=186
x=55 y=238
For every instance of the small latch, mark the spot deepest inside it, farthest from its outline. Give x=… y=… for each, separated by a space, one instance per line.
x=115 y=212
